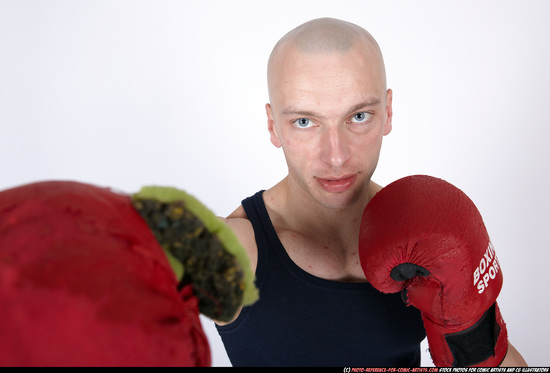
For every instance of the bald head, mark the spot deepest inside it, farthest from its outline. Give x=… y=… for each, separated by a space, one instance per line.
x=324 y=36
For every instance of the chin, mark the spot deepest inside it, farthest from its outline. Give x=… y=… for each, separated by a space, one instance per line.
x=339 y=201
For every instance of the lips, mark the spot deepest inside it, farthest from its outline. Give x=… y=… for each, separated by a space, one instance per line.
x=337 y=184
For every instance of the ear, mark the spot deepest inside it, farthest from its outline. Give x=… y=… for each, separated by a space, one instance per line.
x=389 y=112
x=275 y=140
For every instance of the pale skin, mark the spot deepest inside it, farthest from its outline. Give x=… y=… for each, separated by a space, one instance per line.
x=329 y=111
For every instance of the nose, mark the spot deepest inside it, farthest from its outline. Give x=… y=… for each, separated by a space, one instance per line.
x=334 y=147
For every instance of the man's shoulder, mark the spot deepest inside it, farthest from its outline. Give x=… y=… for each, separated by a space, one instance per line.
x=238 y=221
x=238 y=213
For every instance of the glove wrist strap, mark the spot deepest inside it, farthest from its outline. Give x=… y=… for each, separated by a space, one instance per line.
x=483 y=344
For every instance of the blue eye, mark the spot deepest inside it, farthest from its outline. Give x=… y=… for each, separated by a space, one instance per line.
x=303 y=123
x=360 y=117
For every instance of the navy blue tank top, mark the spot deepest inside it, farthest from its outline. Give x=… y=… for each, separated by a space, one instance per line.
x=304 y=320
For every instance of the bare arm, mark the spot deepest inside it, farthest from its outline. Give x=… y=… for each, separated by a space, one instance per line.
x=245 y=233
x=513 y=358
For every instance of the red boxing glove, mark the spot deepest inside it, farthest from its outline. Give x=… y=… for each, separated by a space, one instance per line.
x=83 y=282
x=425 y=237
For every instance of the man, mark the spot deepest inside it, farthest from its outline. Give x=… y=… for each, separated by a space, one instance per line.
x=329 y=111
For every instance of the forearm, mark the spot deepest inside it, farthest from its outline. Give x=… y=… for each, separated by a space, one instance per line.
x=513 y=358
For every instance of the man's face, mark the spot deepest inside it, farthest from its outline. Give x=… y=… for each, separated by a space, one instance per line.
x=329 y=113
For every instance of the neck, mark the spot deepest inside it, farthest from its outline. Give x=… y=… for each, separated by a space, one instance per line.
x=321 y=240
x=304 y=214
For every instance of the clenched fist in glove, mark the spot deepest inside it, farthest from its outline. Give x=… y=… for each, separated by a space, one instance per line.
x=423 y=236
x=93 y=277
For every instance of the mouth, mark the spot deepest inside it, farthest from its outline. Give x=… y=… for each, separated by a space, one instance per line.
x=337 y=184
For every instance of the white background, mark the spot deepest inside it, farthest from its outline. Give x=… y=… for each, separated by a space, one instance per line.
x=126 y=93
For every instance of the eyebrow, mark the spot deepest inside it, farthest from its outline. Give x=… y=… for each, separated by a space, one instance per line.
x=306 y=113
